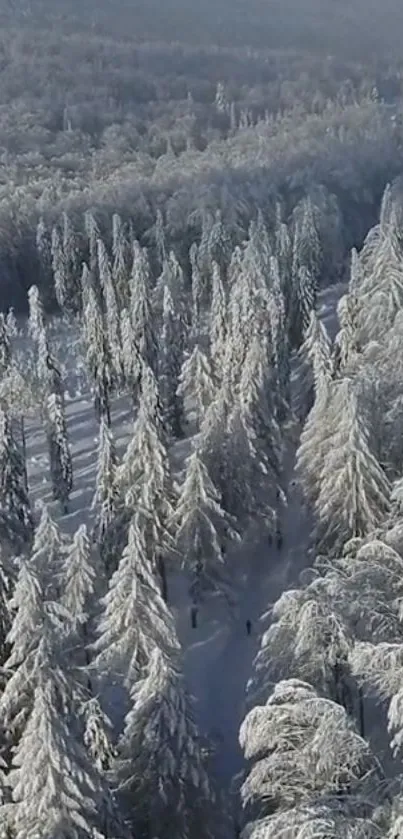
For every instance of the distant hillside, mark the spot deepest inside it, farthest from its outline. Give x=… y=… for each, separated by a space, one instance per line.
x=353 y=27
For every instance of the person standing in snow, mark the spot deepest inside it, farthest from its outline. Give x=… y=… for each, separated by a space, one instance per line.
x=248 y=626
x=193 y=616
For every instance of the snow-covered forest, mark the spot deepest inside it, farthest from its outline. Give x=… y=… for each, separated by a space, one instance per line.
x=201 y=415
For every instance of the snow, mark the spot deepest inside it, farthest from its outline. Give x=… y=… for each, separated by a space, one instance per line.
x=218 y=654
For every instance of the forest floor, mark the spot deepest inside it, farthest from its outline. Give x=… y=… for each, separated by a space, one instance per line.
x=218 y=653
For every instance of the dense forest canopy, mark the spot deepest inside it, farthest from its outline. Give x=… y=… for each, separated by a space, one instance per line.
x=137 y=107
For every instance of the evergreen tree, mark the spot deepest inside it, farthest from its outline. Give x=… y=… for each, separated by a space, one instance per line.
x=306 y=269
x=311 y=773
x=354 y=491
x=131 y=359
x=71 y=253
x=27 y=605
x=316 y=440
x=112 y=316
x=106 y=497
x=98 y=735
x=316 y=366
x=120 y=267
x=159 y=767
x=219 y=245
x=140 y=306
x=211 y=441
x=61 y=465
x=202 y=531
x=36 y=320
x=197 y=291
x=346 y=346
x=44 y=251
x=247 y=487
x=256 y=396
x=60 y=271
x=218 y=325
x=93 y=234
x=80 y=576
x=169 y=366
x=135 y=618
x=56 y=791
x=144 y=478
x=47 y=554
x=98 y=355
x=309 y=637
x=196 y=386
x=15 y=510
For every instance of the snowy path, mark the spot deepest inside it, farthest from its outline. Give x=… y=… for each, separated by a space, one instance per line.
x=219 y=653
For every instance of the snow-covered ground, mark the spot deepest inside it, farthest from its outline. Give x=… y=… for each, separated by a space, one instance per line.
x=219 y=653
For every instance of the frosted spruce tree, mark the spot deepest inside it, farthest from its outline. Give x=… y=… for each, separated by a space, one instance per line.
x=61 y=464
x=98 y=355
x=112 y=314
x=248 y=486
x=28 y=609
x=317 y=436
x=219 y=245
x=16 y=522
x=354 y=490
x=310 y=637
x=196 y=386
x=144 y=479
x=72 y=258
x=257 y=399
x=316 y=364
x=60 y=271
x=82 y=580
x=93 y=234
x=120 y=261
x=198 y=290
x=56 y=790
x=36 y=319
x=47 y=554
x=346 y=347
x=169 y=365
x=279 y=340
x=306 y=268
x=48 y=384
x=311 y=773
x=134 y=618
x=218 y=325
x=44 y=252
x=140 y=306
x=131 y=359
x=202 y=532
x=106 y=498
x=159 y=769
x=380 y=289
x=367 y=585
